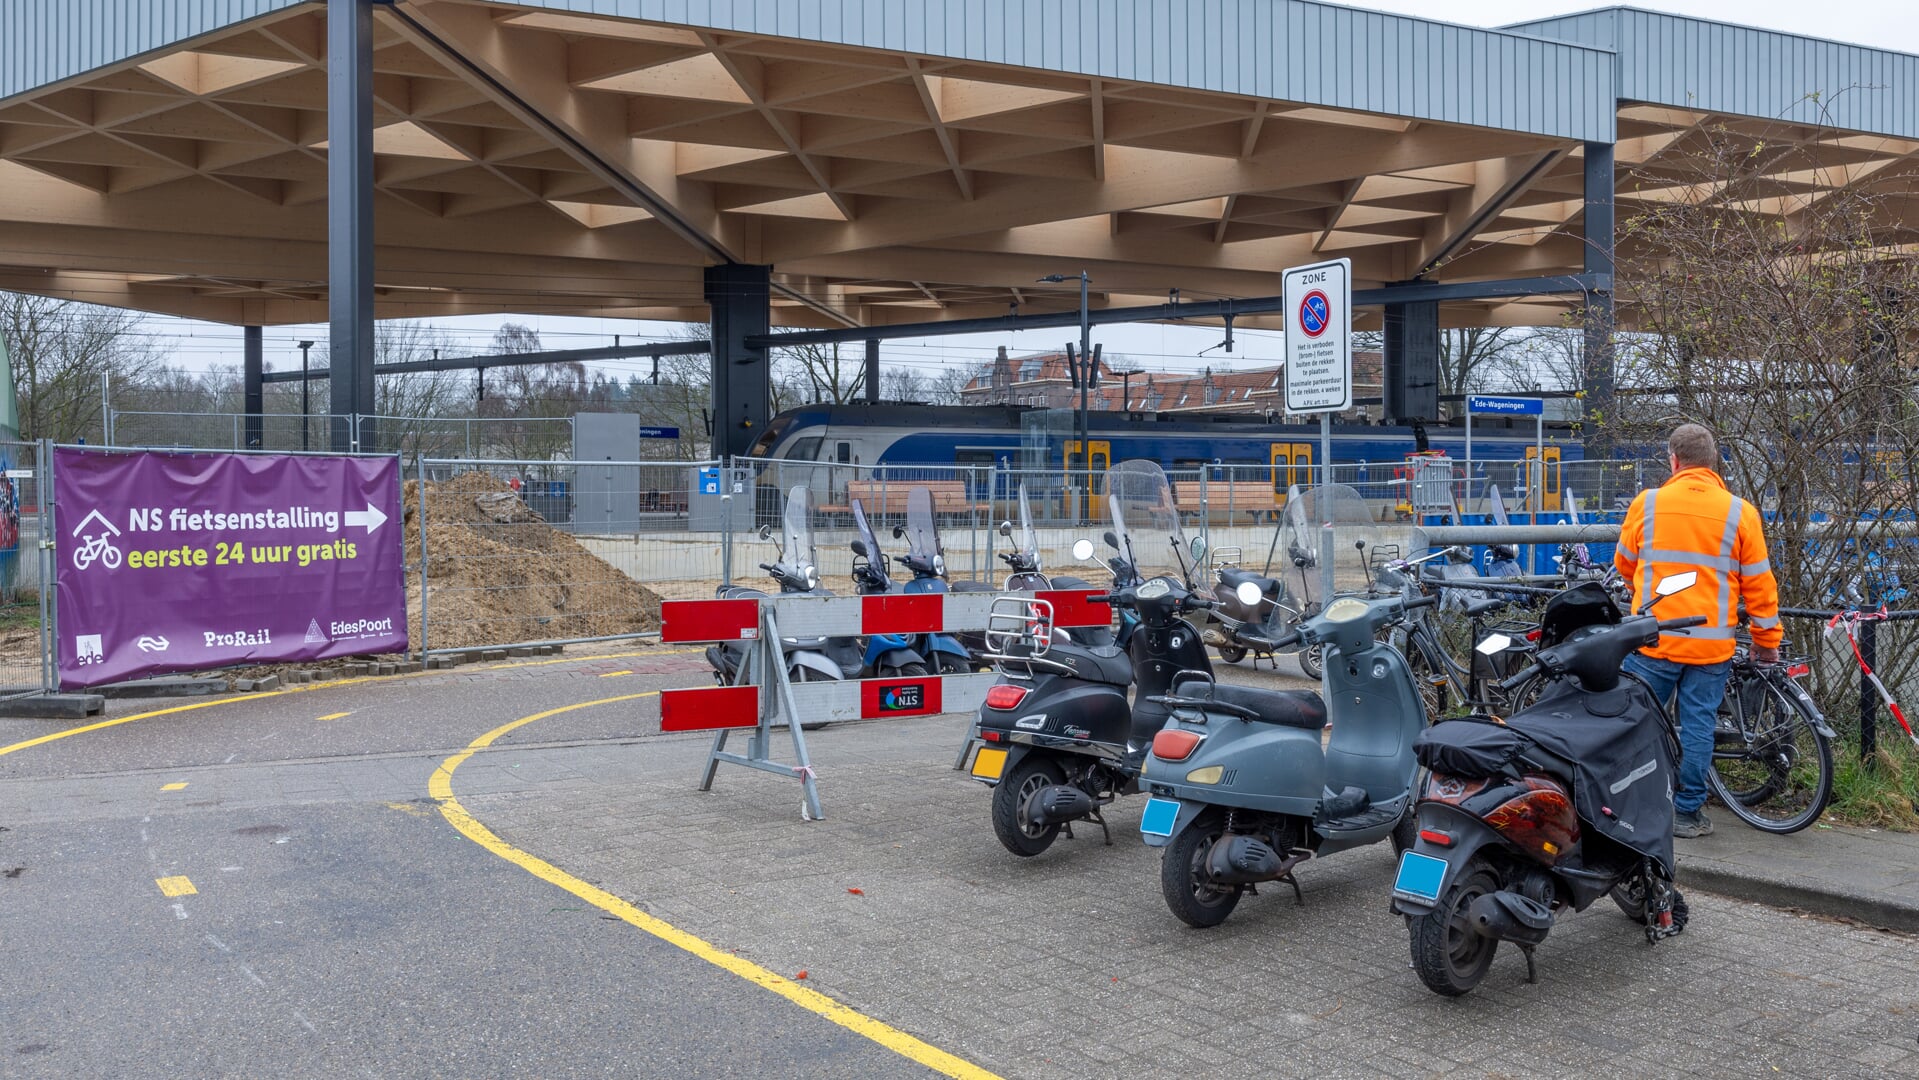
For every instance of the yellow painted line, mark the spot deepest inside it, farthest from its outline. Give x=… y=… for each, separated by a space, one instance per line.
x=118 y=720
x=336 y=715
x=175 y=886
x=177 y=785
x=907 y=1046
x=615 y=674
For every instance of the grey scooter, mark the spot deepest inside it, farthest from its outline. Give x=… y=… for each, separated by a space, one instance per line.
x=1243 y=790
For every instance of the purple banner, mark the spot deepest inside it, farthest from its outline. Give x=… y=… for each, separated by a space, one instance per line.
x=179 y=562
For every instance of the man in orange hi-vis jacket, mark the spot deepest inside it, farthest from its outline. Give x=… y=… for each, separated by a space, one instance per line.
x=1693 y=523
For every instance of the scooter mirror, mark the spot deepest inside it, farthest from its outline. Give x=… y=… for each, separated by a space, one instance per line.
x=1494 y=643
x=1082 y=549
x=1248 y=593
x=1006 y=529
x=1198 y=547
x=1112 y=539
x=859 y=548
x=766 y=532
x=898 y=531
x=1676 y=583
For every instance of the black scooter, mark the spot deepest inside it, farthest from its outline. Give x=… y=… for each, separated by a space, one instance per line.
x=1058 y=738
x=1566 y=801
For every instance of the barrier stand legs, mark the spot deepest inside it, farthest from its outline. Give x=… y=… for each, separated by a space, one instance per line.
x=966 y=748
x=776 y=700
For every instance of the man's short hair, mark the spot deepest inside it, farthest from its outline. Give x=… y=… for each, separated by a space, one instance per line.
x=1693 y=447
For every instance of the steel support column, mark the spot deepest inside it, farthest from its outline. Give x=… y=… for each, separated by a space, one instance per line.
x=253 y=367
x=872 y=371
x=1412 y=361
x=1598 y=356
x=739 y=297
x=350 y=219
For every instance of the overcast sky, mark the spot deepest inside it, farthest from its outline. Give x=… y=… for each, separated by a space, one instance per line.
x=1892 y=24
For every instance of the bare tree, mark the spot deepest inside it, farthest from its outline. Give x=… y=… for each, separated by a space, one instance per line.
x=1775 y=314
x=1469 y=358
x=59 y=351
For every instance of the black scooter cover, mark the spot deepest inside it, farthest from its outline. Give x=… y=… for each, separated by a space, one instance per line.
x=1470 y=749
x=1622 y=760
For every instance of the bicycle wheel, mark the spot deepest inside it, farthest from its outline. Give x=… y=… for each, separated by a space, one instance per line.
x=1430 y=676
x=1770 y=765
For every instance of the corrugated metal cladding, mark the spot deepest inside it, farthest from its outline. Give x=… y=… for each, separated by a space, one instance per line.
x=1292 y=50
x=1694 y=64
x=44 y=41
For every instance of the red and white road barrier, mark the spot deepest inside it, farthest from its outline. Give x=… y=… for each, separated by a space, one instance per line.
x=768 y=694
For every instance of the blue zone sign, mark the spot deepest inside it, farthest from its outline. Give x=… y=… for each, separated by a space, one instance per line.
x=1505 y=406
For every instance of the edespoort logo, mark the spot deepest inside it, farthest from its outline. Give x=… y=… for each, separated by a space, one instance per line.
x=359 y=627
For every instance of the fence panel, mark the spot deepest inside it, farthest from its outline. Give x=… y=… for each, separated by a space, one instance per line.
x=528 y=551
x=25 y=603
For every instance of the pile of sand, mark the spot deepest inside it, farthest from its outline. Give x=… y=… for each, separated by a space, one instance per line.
x=497 y=573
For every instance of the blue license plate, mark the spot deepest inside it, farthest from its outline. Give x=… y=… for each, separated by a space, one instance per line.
x=1159 y=816
x=1420 y=877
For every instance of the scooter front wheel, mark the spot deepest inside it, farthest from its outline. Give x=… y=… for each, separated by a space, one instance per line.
x=1182 y=878
x=1312 y=661
x=1449 y=956
x=1031 y=775
x=1232 y=654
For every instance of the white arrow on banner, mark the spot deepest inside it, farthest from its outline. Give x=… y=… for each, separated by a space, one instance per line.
x=371 y=518
x=153 y=644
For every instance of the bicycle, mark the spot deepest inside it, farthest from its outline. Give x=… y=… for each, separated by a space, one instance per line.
x=1772 y=749
x=1444 y=683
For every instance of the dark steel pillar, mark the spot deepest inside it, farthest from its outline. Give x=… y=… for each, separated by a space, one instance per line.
x=350 y=219
x=253 y=367
x=1599 y=359
x=739 y=297
x=872 y=371
x=1412 y=361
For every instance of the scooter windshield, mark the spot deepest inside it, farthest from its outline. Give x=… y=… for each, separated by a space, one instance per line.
x=1146 y=519
x=1498 y=503
x=1028 y=536
x=922 y=533
x=874 y=555
x=1309 y=513
x=796 y=535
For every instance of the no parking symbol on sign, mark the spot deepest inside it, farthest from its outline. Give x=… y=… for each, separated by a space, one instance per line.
x=1319 y=322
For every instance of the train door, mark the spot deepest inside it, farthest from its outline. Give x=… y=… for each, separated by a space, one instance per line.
x=1086 y=474
x=1542 y=482
x=1292 y=465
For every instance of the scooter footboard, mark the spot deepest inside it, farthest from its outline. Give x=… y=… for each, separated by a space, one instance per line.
x=1468 y=836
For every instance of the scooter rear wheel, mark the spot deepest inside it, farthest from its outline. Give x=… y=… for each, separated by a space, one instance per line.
x=1182 y=878
x=1449 y=956
x=1232 y=654
x=1030 y=775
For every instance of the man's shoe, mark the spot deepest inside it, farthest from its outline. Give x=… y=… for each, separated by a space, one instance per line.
x=1691 y=826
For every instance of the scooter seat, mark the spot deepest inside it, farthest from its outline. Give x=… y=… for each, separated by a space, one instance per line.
x=1287 y=708
x=1095 y=663
x=971 y=586
x=1068 y=581
x=1233 y=578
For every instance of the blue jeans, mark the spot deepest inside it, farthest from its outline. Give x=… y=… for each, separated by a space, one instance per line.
x=1698 y=689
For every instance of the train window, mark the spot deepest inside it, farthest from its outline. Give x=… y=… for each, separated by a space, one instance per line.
x=843 y=453
x=805 y=449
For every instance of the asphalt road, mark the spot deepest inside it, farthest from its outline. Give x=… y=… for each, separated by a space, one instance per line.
x=338 y=925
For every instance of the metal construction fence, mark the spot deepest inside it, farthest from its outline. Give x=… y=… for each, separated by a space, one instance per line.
x=505 y=551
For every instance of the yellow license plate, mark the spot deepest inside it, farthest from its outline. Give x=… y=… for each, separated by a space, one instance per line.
x=989 y=763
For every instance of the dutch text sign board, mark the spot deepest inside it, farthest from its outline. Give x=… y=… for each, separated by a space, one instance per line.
x=177 y=562
x=1505 y=406
x=1319 y=337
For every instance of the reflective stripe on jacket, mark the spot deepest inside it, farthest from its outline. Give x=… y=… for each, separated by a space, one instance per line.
x=1693 y=523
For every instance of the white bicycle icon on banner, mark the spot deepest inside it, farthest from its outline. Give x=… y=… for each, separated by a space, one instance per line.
x=96 y=547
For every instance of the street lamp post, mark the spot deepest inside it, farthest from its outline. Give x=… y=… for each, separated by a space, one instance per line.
x=306 y=386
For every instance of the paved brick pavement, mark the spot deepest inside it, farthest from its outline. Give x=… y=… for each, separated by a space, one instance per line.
x=1069 y=965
